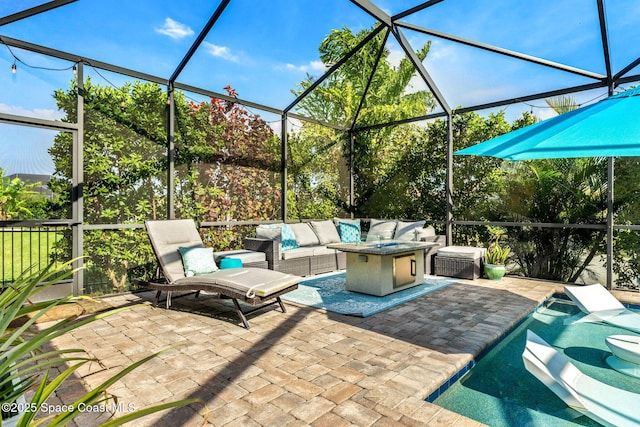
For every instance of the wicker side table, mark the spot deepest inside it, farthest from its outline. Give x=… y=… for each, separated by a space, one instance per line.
x=464 y=262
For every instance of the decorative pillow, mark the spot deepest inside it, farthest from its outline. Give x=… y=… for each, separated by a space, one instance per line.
x=197 y=261
x=279 y=232
x=304 y=234
x=428 y=231
x=408 y=230
x=381 y=230
x=336 y=220
x=326 y=231
x=289 y=240
x=349 y=231
x=271 y=232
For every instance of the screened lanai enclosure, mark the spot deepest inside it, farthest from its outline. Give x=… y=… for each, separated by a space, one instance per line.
x=241 y=112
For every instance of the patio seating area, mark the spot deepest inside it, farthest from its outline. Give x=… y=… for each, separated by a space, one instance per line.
x=255 y=123
x=307 y=366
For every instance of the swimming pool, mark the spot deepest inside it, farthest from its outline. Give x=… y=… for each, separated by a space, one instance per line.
x=498 y=391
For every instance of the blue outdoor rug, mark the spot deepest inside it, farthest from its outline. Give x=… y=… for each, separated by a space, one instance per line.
x=327 y=292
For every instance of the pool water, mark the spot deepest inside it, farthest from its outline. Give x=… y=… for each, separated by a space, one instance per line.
x=499 y=391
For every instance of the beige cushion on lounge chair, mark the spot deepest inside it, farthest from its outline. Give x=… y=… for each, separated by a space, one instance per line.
x=251 y=281
x=166 y=237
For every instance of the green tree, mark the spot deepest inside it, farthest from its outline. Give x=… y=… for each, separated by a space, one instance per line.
x=359 y=93
x=559 y=191
x=124 y=179
x=234 y=162
x=627 y=211
x=230 y=163
x=319 y=184
x=222 y=154
x=19 y=200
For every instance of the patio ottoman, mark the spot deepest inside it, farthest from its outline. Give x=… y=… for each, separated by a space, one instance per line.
x=247 y=257
x=464 y=262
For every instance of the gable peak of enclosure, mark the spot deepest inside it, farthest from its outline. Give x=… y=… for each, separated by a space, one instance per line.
x=464 y=55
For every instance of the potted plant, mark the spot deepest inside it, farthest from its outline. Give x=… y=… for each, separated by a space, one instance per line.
x=27 y=359
x=495 y=257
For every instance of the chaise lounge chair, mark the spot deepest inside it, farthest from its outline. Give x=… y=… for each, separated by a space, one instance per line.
x=254 y=286
x=601 y=306
x=606 y=404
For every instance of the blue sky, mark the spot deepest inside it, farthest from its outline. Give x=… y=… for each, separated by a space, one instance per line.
x=263 y=48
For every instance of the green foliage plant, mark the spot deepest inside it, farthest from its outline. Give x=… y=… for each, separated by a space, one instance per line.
x=495 y=253
x=18 y=199
x=27 y=358
x=227 y=168
x=359 y=93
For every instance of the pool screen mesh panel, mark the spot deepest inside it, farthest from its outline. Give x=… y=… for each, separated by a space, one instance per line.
x=264 y=49
x=405 y=21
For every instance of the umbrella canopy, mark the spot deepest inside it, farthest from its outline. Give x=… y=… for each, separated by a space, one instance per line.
x=609 y=128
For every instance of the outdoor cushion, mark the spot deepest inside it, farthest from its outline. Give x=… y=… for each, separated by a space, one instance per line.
x=271 y=232
x=349 y=231
x=426 y=234
x=244 y=255
x=326 y=232
x=323 y=250
x=289 y=240
x=408 y=230
x=197 y=261
x=301 y=252
x=280 y=232
x=336 y=220
x=253 y=281
x=428 y=231
x=305 y=235
x=381 y=230
x=167 y=240
x=466 y=252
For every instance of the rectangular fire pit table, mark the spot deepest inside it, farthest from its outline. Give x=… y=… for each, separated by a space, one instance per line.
x=383 y=268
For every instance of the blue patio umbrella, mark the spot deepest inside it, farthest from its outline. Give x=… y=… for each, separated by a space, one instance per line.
x=609 y=128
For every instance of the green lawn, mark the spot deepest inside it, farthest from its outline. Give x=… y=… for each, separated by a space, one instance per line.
x=21 y=249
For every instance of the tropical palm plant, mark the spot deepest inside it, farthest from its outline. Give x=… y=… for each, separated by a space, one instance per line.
x=562 y=104
x=27 y=360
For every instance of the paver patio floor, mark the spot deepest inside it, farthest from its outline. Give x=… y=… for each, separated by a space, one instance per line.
x=304 y=367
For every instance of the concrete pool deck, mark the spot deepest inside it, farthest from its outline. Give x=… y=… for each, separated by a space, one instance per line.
x=304 y=367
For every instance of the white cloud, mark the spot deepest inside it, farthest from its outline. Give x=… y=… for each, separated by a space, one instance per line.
x=42 y=113
x=313 y=67
x=174 y=29
x=220 y=52
x=395 y=56
x=544 y=113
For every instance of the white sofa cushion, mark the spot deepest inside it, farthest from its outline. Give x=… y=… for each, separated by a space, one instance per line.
x=323 y=250
x=408 y=230
x=271 y=232
x=326 y=232
x=305 y=236
x=242 y=254
x=301 y=252
x=381 y=230
x=466 y=252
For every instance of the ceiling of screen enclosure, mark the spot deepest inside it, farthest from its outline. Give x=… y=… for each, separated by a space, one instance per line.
x=483 y=52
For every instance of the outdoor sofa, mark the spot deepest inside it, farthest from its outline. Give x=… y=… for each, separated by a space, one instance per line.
x=301 y=248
